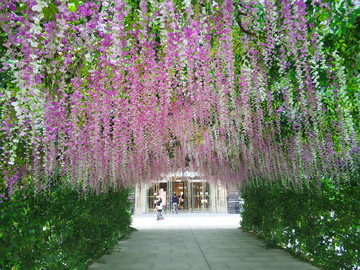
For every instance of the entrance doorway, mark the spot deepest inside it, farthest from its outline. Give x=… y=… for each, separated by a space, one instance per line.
x=180 y=189
x=201 y=196
x=157 y=189
x=195 y=195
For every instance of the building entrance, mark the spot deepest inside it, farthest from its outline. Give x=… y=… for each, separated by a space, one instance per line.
x=195 y=195
x=155 y=190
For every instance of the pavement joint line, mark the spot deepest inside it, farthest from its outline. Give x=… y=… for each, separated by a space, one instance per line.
x=198 y=244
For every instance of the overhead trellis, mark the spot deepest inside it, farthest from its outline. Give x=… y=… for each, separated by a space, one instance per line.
x=113 y=93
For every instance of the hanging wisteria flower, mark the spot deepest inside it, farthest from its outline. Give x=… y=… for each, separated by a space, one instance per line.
x=112 y=94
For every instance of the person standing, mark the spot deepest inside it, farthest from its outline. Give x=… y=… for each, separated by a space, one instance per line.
x=159 y=209
x=175 y=202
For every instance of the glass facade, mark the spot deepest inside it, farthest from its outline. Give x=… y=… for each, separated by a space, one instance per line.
x=195 y=195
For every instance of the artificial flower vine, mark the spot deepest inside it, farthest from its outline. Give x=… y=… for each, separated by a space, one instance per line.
x=112 y=94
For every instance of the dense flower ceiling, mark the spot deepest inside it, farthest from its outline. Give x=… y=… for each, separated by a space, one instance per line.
x=113 y=95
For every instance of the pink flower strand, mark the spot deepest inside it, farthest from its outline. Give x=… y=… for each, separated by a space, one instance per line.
x=111 y=101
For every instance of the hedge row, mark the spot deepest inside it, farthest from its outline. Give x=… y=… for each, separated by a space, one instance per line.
x=320 y=225
x=56 y=229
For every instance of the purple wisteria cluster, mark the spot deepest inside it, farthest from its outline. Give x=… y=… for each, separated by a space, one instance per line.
x=112 y=101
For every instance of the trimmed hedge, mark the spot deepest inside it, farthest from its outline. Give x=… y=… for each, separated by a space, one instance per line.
x=320 y=225
x=56 y=229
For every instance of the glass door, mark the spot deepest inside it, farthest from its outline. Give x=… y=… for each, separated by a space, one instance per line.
x=151 y=197
x=200 y=196
x=180 y=189
x=197 y=196
x=157 y=189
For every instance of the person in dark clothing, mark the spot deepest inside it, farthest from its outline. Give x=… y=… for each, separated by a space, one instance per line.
x=175 y=202
x=159 y=209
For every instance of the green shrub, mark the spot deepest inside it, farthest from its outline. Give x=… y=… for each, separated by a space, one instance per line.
x=56 y=229
x=320 y=225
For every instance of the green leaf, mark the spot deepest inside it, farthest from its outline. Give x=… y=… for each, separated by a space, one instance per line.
x=350 y=3
x=339 y=33
x=72 y=8
x=343 y=26
x=46 y=13
x=352 y=17
x=20 y=9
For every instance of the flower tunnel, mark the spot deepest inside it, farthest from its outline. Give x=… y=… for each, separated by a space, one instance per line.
x=101 y=97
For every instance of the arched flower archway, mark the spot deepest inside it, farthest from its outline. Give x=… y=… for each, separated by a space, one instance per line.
x=111 y=93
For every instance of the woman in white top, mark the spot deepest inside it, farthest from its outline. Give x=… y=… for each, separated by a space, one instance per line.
x=159 y=209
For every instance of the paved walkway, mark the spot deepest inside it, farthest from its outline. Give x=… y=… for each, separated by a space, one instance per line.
x=195 y=241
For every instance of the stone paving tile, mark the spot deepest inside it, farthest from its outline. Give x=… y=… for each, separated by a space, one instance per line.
x=122 y=266
x=246 y=265
x=224 y=252
x=182 y=254
x=189 y=250
x=102 y=266
x=161 y=265
x=155 y=251
x=199 y=259
x=224 y=259
x=144 y=256
x=113 y=259
x=156 y=260
x=258 y=259
x=199 y=265
x=195 y=241
x=218 y=265
x=227 y=254
x=191 y=268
